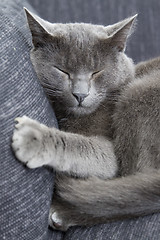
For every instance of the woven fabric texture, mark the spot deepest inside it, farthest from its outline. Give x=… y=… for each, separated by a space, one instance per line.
x=25 y=195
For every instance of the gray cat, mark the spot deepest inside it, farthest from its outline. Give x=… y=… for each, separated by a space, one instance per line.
x=107 y=151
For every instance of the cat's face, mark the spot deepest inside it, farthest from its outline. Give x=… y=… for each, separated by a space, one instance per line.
x=79 y=65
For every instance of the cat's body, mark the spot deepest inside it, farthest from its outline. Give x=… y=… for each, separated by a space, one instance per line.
x=137 y=146
x=109 y=116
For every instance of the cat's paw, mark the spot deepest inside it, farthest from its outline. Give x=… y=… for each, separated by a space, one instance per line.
x=28 y=142
x=56 y=221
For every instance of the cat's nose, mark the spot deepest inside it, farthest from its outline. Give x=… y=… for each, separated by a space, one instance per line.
x=80 y=97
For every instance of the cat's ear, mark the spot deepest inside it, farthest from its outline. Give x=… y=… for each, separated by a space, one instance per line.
x=120 y=32
x=39 y=34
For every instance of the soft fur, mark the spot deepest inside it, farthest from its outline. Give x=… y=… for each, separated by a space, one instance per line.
x=107 y=151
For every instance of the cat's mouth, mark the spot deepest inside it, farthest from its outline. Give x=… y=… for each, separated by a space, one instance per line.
x=80 y=105
x=81 y=109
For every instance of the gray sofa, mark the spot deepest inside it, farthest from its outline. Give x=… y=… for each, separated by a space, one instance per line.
x=25 y=194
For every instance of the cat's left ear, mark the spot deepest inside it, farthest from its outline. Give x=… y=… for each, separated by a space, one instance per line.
x=40 y=35
x=122 y=31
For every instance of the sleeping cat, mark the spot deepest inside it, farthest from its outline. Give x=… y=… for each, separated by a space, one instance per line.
x=107 y=151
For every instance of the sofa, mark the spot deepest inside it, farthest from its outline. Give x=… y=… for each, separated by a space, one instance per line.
x=26 y=194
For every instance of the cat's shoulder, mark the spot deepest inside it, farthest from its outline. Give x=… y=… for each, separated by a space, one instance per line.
x=147 y=67
x=147 y=79
x=144 y=91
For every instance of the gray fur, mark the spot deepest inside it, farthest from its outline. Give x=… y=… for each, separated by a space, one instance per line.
x=121 y=108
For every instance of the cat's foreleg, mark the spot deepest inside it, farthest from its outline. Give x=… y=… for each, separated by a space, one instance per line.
x=36 y=145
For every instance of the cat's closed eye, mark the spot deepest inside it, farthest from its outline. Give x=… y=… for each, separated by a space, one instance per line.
x=96 y=73
x=62 y=71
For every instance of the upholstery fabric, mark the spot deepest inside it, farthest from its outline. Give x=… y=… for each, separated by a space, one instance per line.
x=25 y=195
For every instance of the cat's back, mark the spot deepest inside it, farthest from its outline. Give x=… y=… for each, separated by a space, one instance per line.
x=140 y=99
x=146 y=82
x=144 y=90
x=137 y=124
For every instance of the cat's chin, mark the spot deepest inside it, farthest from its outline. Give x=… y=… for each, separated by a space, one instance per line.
x=79 y=110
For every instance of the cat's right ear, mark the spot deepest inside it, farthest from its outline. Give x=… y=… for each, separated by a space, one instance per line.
x=121 y=31
x=39 y=34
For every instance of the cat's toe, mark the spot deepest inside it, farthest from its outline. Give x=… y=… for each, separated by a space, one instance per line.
x=20 y=121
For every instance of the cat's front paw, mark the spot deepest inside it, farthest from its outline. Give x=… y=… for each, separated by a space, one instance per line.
x=28 y=142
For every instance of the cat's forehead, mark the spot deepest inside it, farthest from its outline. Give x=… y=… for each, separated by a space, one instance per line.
x=78 y=30
x=81 y=33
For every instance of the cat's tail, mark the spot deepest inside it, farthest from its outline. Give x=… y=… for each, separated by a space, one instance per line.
x=128 y=196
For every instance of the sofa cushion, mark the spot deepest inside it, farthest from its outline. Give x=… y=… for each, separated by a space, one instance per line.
x=25 y=194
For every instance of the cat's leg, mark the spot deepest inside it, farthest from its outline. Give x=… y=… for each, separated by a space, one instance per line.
x=93 y=201
x=60 y=217
x=63 y=215
x=36 y=145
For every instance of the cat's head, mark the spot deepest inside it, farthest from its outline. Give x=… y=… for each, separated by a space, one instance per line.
x=79 y=64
